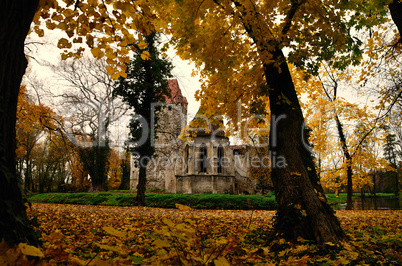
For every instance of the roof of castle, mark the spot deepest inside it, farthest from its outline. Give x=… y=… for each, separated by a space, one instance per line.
x=176 y=95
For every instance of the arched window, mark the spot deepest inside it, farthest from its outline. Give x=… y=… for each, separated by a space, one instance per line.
x=186 y=158
x=220 y=159
x=203 y=158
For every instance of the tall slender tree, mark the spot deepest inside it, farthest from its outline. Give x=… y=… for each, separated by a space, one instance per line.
x=146 y=83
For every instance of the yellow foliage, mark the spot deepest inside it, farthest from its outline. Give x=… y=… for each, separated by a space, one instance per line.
x=114 y=171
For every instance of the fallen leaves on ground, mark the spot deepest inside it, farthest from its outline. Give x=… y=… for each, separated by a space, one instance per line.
x=100 y=235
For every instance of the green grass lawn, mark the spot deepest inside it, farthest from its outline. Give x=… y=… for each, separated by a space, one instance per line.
x=196 y=201
x=160 y=200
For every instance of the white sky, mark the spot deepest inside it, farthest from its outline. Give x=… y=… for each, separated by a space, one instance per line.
x=49 y=53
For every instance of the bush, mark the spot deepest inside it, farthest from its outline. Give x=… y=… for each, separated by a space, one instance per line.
x=195 y=201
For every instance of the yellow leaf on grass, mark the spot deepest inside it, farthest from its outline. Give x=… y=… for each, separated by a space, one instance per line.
x=29 y=250
x=168 y=222
x=110 y=230
x=221 y=262
x=160 y=243
x=183 y=207
x=112 y=248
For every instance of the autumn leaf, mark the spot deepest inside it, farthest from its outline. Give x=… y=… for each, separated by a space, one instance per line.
x=160 y=243
x=142 y=45
x=114 y=232
x=170 y=236
x=183 y=207
x=145 y=55
x=97 y=52
x=64 y=43
x=221 y=262
x=30 y=250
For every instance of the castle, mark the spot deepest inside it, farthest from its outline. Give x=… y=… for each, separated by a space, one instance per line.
x=206 y=163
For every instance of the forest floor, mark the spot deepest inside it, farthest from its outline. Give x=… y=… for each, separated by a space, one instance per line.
x=109 y=235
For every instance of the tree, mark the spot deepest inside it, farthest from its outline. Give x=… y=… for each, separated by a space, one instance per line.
x=16 y=18
x=79 y=174
x=392 y=152
x=115 y=170
x=146 y=83
x=34 y=122
x=29 y=130
x=241 y=43
x=125 y=169
x=87 y=95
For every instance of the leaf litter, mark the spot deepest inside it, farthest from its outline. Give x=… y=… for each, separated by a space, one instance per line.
x=109 y=235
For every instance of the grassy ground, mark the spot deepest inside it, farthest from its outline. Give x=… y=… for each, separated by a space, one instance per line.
x=160 y=200
x=196 y=201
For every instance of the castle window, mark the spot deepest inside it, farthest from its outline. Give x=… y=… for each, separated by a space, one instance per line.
x=203 y=158
x=220 y=159
x=186 y=157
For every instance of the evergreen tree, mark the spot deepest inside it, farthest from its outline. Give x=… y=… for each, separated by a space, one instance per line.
x=391 y=155
x=146 y=83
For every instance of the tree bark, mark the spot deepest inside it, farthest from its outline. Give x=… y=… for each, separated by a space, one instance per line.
x=141 y=186
x=348 y=161
x=303 y=210
x=395 y=9
x=15 y=19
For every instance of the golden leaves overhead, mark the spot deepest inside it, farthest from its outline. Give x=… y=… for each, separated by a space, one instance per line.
x=107 y=28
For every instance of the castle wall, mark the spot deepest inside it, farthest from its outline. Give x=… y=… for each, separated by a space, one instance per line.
x=198 y=184
x=177 y=167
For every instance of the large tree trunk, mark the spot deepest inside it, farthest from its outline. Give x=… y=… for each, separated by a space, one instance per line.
x=95 y=161
x=396 y=13
x=15 y=19
x=302 y=207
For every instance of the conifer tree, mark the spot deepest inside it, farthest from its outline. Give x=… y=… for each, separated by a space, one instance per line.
x=146 y=83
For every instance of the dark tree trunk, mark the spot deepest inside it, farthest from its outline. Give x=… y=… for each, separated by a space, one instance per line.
x=15 y=19
x=396 y=182
x=95 y=160
x=396 y=13
x=348 y=161
x=125 y=178
x=141 y=186
x=349 y=185
x=302 y=207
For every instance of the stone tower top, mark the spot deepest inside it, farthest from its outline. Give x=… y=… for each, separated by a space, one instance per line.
x=176 y=95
